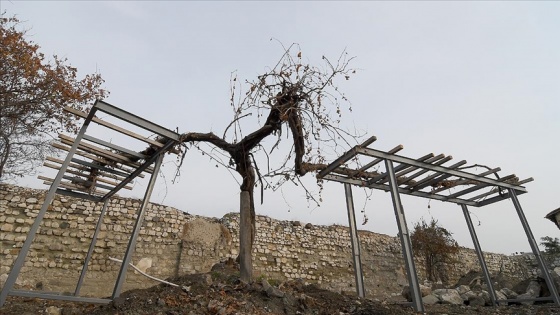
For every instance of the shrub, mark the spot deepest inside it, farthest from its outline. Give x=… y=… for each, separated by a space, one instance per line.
x=435 y=244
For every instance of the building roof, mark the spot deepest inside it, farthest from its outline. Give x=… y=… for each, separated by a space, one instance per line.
x=552 y=216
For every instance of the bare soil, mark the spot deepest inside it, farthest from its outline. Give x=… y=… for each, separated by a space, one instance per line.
x=221 y=292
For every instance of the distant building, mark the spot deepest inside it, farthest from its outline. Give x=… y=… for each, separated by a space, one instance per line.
x=554 y=216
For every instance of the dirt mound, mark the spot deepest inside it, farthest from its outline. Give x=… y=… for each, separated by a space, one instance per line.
x=221 y=292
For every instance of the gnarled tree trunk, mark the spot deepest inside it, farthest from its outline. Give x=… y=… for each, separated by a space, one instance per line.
x=245 y=239
x=246 y=217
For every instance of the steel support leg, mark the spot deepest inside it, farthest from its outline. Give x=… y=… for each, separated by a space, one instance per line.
x=535 y=247
x=91 y=248
x=405 y=239
x=20 y=260
x=480 y=255
x=355 y=240
x=139 y=220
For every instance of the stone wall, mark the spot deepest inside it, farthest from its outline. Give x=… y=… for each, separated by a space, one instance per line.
x=172 y=242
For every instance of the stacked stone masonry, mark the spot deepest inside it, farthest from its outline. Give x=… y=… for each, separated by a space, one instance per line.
x=173 y=242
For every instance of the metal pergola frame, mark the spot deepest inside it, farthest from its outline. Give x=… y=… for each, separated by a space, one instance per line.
x=427 y=177
x=100 y=162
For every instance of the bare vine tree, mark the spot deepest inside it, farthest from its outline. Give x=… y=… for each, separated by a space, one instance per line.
x=294 y=98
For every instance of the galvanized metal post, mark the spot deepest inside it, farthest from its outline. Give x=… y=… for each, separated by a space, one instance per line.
x=355 y=240
x=535 y=247
x=480 y=255
x=20 y=260
x=405 y=239
x=91 y=248
x=136 y=230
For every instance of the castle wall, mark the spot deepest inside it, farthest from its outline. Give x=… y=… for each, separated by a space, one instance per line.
x=172 y=242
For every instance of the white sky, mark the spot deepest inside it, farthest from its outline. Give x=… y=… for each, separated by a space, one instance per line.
x=476 y=80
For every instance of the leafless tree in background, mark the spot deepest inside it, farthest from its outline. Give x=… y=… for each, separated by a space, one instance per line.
x=33 y=93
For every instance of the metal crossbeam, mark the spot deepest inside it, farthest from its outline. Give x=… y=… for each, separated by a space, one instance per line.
x=435 y=168
x=114 y=147
x=139 y=170
x=338 y=162
x=403 y=169
x=58 y=296
x=435 y=178
x=136 y=120
x=362 y=183
x=100 y=167
x=73 y=194
x=424 y=171
x=376 y=161
x=492 y=171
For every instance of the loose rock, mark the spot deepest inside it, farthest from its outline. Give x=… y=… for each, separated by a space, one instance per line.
x=53 y=310
x=430 y=299
x=448 y=296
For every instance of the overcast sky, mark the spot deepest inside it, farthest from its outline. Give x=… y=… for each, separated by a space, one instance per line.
x=476 y=80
